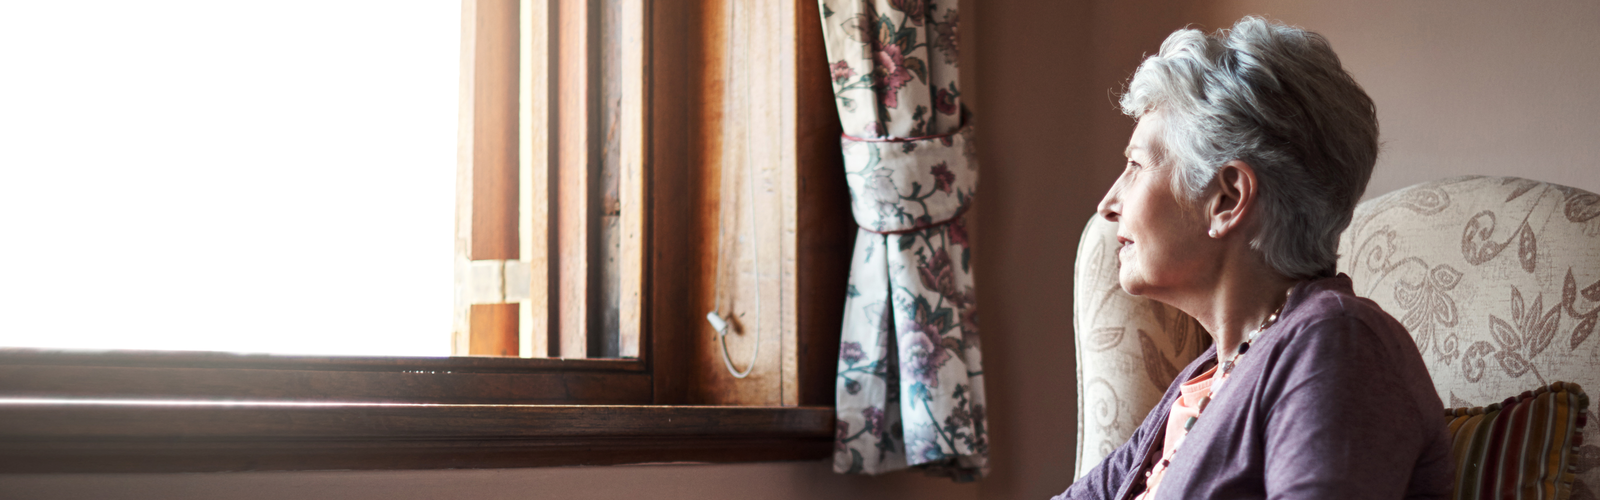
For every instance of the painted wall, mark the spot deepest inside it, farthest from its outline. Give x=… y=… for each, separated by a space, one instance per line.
x=1475 y=87
x=1462 y=87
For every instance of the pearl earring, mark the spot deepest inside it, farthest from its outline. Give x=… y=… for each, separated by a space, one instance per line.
x=1214 y=233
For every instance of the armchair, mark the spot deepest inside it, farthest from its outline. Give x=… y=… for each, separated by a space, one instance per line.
x=1496 y=278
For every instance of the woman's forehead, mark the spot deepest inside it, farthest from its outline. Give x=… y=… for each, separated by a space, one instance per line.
x=1146 y=134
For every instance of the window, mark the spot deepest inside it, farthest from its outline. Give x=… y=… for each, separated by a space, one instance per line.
x=550 y=211
x=728 y=89
x=179 y=165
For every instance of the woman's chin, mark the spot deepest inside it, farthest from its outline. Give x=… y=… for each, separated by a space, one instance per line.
x=1131 y=284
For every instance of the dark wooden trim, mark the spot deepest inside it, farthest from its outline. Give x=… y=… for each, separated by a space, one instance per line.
x=671 y=277
x=576 y=387
x=136 y=420
x=62 y=437
x=827 y=230
x=224 y=376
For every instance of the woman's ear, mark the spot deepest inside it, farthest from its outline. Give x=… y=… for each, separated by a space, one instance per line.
x=1234 y=197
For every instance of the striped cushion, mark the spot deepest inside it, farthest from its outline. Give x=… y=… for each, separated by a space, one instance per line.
x=1519 y=448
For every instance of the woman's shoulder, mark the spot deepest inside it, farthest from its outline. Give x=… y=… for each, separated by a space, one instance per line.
x=1333 y=331
x=1325 y=320
x=1332 y=301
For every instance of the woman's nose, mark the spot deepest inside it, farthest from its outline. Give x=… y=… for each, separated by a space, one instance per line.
x=1110 y=205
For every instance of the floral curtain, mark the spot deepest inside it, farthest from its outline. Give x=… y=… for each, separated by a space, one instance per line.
x=910 y=383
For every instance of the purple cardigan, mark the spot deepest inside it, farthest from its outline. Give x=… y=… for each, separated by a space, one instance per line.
x=1332 y=402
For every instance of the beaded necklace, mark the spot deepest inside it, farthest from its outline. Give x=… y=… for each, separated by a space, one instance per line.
x=1227 y=368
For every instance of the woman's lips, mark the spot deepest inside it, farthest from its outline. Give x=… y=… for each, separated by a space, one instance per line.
x=1125 y=244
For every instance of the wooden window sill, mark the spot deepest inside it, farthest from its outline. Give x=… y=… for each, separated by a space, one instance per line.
x=213 y=376
x=41 y=435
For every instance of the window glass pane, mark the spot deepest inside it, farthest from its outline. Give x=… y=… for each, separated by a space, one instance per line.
x=236 y=176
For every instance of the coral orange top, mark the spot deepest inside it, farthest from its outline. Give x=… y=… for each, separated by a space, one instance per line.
x=1187 y=405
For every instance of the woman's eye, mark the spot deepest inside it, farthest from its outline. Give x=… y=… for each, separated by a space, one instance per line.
x=1132 y=165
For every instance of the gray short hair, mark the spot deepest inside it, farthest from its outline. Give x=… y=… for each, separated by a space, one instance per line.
x=1275 y=97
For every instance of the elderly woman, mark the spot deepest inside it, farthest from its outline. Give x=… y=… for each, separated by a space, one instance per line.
x=1252 y=148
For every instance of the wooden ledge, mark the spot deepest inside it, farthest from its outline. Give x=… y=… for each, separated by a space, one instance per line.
x=149 y=436
x=150 y=375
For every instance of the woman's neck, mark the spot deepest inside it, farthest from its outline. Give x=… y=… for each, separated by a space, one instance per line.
x=1239 y=301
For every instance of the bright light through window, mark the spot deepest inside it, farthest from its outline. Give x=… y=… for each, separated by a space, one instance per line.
x=230 y=176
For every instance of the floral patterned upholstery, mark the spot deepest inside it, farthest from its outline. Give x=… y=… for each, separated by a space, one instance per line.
x=1496 y=278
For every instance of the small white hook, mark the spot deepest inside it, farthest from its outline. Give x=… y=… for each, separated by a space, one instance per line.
x=721 y=326
x=717 y=323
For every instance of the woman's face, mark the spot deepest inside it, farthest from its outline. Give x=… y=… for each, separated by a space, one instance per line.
x=1164 y=247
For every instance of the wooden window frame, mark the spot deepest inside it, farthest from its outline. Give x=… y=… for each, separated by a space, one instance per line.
x=114 y=411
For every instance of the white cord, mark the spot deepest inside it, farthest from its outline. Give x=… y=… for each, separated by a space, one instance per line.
x=717 y=323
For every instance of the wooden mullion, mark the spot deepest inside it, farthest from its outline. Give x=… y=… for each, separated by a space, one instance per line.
x=487 y=190
x=634 y=178
x=788 y=20
x=574 y=70
x=461 y=320
x=495 y=140
x=535 y=162
x=604 y=252
x=675 y=279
